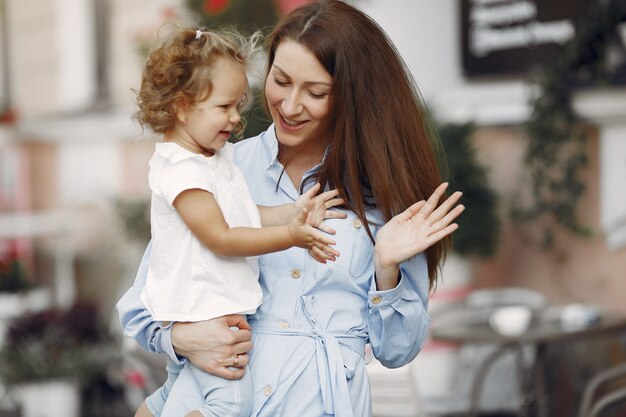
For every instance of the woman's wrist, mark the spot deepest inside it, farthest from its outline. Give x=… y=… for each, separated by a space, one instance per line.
x=174 y=336
x=387 y=273
x=184 y=338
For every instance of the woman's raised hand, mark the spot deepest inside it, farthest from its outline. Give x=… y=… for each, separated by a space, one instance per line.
x=416 y=229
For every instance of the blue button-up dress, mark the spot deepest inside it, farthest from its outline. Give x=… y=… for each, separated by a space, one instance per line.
x=311 y=330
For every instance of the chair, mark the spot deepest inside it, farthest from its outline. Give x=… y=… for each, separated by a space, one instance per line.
x=592 y=405
x=500 y=391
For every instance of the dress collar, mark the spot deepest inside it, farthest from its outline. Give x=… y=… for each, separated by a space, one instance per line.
x=271 y=145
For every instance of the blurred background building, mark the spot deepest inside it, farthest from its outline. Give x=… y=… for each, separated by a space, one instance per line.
x=535 y=90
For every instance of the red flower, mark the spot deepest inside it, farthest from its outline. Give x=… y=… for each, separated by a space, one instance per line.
x=8 y=116
x=136 y=379
x=8 y=251
x=213 y=7
x=168 y=13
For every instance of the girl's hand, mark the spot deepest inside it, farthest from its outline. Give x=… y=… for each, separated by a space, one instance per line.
x=416 y=229
x=306 y=236
x=318 y=207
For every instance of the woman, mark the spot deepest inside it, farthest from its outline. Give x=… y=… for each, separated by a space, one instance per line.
x=347 y=115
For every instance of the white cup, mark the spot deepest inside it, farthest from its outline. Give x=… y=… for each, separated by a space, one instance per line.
x=510 y=320
x=578 y=316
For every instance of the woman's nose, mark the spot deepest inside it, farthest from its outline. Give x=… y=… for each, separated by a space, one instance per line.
x=291 y=104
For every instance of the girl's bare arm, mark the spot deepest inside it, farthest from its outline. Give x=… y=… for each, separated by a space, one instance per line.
x=201 y=213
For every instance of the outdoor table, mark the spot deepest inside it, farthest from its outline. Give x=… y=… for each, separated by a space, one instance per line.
x=540 y=334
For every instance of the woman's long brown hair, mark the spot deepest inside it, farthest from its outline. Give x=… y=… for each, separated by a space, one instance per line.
x=382 y=148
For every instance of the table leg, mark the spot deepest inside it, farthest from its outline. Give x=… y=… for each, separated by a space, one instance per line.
x=538 y=379
x=480 y=376
x=524 y=383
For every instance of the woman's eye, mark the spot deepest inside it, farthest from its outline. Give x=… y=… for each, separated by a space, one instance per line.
x=279 y=82
x=317 y=95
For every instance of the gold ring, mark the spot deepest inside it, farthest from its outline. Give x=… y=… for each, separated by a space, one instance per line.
x=236 y=362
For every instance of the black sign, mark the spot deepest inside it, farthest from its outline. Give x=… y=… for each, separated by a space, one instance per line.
x=511 y=37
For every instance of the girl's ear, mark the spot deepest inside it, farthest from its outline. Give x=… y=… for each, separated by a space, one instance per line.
x=181 y=110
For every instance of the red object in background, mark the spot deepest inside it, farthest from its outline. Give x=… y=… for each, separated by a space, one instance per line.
x=285 y=6
x=136 y=379
x=213 y=7
x=169 y=13
x=9 y=116
x=8 y=251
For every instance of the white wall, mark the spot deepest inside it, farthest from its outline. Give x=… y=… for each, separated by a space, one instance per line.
x=426 y=34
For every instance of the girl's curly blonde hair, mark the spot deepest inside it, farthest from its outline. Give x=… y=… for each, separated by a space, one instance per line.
x=178 y=73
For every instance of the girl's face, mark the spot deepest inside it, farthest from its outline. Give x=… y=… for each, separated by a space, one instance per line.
x=298 y=90
x=206 y=126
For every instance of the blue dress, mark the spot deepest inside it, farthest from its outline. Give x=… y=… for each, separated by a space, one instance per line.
x=311 y=330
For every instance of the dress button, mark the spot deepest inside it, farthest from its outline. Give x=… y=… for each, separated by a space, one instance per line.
x=284 y=325
x=356 y=223
x=377 y=299
x=267 y=390
x=295 y=274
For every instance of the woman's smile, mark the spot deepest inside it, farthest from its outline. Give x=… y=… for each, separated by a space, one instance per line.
x=298 y=90
x=290 y=124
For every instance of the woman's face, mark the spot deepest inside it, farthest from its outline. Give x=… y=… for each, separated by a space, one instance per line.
x=297 y=90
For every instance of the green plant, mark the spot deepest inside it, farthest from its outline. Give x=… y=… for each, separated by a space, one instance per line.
x=243 y=14
x=54 y=343
x=479 y=225
x=556 y=148
x=13 y=275
x=134 y=213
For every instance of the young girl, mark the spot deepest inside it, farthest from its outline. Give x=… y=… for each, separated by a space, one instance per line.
x=206 y=229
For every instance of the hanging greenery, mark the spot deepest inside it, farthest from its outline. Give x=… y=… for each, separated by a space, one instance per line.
x=479 y=226
x=245 y=15
x=254 y=15
x=556 y=149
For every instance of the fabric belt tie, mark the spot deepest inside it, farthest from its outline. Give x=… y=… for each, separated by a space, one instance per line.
x=330 y=365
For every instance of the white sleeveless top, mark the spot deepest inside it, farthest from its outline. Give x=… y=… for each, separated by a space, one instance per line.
x=186 y=281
